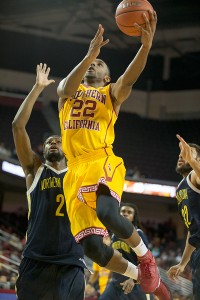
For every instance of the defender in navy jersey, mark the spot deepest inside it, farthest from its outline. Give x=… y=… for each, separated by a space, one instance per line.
x=52 y=267
x=188 y=200
x=122 y=287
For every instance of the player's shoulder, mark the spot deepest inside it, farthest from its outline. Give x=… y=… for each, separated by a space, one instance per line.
x=32 y=168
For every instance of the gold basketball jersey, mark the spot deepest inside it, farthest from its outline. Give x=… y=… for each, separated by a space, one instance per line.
x=87 y=121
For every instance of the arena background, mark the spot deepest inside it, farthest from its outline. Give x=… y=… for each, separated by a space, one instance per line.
x=165 y=101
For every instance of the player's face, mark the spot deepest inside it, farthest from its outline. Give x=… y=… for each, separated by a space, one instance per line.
x=53 y=149
x=98 y=70
x=182 y=167
x=127 y=212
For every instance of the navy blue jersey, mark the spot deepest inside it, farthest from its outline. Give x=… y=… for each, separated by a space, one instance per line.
x=188 y=199
x=49 y=237
x=127 y=253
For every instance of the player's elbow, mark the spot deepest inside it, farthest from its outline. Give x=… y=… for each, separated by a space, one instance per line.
x=16 y=125
x=15 y=130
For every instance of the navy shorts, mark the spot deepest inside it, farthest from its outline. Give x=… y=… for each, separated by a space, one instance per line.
x=46 y=281
x=114 y=291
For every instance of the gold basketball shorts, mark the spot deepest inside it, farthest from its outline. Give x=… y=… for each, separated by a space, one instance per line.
x=81 y=183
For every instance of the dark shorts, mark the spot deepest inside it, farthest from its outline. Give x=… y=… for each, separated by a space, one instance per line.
x=195 y=265
x=45 y=281
x=114 y=291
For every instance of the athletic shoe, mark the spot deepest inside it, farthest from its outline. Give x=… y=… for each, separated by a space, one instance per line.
x=148 y=276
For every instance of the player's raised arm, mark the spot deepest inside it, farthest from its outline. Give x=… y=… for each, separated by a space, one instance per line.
x=22 y=142
x=69 y=85
x=123 y=87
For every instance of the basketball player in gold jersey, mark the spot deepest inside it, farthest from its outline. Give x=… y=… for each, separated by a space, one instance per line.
x=88 y=108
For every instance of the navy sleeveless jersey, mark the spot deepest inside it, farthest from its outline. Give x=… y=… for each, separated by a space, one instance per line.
x=126 y=252
x=188 y=199
x=49 y=237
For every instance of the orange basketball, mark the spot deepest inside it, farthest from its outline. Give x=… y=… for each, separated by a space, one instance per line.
x=129 y=12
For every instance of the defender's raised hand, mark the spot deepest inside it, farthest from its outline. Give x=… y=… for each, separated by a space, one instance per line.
x=97 y=43
x=42 y=75
x=188 y=153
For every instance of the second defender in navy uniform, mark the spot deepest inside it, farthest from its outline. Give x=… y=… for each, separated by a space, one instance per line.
x=122 y=287
x=188 y=199
x=52 y=267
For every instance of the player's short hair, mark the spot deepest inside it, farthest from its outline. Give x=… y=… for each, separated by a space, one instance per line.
x=197 y=147
x=136 y=220
x=51 y=136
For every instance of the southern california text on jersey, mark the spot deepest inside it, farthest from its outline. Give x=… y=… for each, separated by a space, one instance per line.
x=88 y=119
